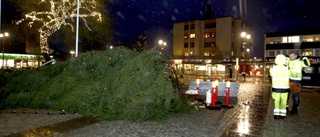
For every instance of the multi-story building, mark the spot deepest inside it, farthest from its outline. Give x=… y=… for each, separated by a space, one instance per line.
x=208 y=46
x=305 y=42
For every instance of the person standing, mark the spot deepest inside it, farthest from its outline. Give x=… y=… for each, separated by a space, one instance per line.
x=280 y=86
x=296 y=64
x=230 y=72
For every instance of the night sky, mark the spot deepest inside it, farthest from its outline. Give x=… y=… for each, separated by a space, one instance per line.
x=156 y=17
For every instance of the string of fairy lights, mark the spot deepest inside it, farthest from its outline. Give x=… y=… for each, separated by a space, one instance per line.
x=60 y=13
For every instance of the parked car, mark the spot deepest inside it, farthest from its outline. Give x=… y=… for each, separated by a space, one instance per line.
x=311 y=75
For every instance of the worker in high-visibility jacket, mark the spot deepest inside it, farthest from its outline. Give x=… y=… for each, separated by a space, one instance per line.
x=280 y=74
x=296 y=64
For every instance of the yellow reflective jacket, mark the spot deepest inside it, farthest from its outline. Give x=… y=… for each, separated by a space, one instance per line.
x=296 y=66
x=280 y=75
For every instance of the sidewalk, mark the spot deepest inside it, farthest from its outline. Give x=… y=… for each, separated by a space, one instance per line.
x=306 y=123
x=251 y=116
x=202 y=122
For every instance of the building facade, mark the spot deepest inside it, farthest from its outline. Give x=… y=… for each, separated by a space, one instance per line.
x=12 y=60
x=305 y=42
x=210 y=45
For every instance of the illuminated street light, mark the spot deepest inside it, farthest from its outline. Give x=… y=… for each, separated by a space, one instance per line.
x=244 y=35
x=72 y=53
x=6 y=34
x=248 y=36
x=162 y=44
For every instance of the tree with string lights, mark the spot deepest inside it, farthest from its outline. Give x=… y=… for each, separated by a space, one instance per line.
x=48 y=16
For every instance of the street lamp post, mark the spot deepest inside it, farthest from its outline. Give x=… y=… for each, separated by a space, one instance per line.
x=245 y=65
x=6 y=34
x=162 y=44
x=244 y=35
x=77 y=29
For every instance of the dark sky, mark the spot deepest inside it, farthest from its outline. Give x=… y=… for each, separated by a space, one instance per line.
x=156 y=17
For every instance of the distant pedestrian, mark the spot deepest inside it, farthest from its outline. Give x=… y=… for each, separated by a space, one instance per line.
x=296 y=64
x=230 y=72
x=280 y=73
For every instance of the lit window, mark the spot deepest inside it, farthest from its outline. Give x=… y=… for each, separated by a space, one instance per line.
x=267 y=41
x=185 y=36
x=317 y=38
x=206 y=53
x=272 y=40
x=209 y=44
x=294 y=39
x=206 y=35
x=186 y=53
x=209 y=35
x=278 y=40
x=307 y=53
x=308 y=38
x=192 y=35
x=231 y=53
x=284 y=39
x=212 y=35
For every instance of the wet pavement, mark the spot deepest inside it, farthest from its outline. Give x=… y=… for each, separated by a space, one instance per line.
x=251 y=116
x=305 y=124
x=55 y=129
x=15 y=121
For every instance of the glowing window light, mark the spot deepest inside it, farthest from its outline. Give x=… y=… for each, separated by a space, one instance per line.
x=59 y=13
x=192 y=35
x=20 y=56
x=294 y=39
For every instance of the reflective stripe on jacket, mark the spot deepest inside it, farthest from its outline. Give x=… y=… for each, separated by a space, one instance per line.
x=296 y=67
x=280 y=78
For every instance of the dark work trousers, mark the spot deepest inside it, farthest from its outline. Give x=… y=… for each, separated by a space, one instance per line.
x=295 y=96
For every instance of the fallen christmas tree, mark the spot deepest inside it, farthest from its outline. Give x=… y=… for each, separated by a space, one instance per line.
x=113 y=84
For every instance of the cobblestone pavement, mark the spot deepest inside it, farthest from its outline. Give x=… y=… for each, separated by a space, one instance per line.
x=251 y=116
x=202 y=122
x=305 y=124
x=27 y=119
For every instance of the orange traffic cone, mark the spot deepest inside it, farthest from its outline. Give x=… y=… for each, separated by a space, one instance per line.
x=226 y=105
